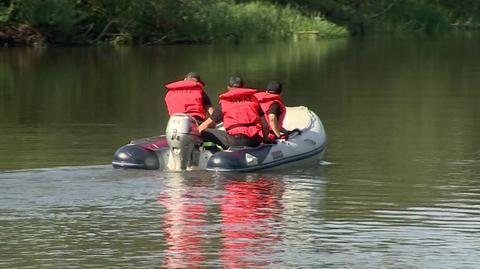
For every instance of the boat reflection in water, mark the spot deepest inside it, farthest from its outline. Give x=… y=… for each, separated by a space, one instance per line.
x=232 y=222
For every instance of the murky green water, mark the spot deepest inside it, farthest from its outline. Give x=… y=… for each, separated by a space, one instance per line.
x=400 y=188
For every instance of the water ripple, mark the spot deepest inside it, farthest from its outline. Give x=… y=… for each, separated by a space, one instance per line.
x=93 y=217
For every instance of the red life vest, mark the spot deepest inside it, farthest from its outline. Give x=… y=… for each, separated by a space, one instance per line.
x=266 y=100
x=185 y=96
x=240 y=112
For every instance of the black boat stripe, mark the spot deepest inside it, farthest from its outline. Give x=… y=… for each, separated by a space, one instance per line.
x=275 y=163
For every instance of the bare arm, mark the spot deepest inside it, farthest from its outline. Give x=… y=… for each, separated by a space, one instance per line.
x=264 y=124
x=206 y=124
x=210 y=110
x=207 y=103
x=274 y=124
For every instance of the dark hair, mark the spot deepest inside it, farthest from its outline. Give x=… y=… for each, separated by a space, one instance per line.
x=274 y=87
x=235 y=82
x=195 y=76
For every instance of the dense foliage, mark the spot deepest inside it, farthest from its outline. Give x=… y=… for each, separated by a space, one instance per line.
x=151 y=21
x=363 y=16
x=176 y=21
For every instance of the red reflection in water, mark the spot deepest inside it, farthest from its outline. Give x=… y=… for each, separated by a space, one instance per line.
x=249 y=212
x=183 y=229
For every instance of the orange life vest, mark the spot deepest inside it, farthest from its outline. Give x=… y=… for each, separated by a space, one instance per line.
x=240 y=112
x=266 y=100
x=185 y=96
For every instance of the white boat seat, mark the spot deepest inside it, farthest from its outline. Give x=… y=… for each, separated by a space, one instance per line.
x=297 y=117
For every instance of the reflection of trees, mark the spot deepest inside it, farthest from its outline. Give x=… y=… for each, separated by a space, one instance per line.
x=6 y=89
x=95 y=90
x=126 y=85
x=401 y=111
x=397 y=91
x=77 y=85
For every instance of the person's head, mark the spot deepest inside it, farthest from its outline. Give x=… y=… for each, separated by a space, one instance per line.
x=274 y=87
x=194 y=76
x=235 y=82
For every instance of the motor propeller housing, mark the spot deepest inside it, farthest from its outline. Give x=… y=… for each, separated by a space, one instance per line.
x=184 y=141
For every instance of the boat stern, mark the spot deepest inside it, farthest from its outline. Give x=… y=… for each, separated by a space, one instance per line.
x=135 y=156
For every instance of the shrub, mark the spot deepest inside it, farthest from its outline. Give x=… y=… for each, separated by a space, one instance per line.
x=6 y=10
x=417 y=16
x=249 y=21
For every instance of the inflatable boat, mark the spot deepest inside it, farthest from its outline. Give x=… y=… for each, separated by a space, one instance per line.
x=181 y=148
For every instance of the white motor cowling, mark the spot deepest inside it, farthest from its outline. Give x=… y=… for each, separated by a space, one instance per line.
x=184 y=141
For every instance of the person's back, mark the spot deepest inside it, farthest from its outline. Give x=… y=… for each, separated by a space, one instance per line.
x=273 y=107
x=241 y=115
x=240 y=112
x=187 y=96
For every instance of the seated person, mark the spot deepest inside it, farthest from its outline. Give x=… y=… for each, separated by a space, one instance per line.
x=273 y=107
x=187 y=96
x=242 y=118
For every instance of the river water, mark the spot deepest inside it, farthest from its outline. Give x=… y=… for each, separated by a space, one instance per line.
x=399 y=186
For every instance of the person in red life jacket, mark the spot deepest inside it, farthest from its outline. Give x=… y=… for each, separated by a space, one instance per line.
x=187 y=96
x=242 y=118
x=274 y=108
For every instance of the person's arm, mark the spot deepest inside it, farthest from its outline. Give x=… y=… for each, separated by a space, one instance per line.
x=272 y=118
x=264 y=124
x=207 y=103
x=274 y=113
x=208 y=123
x=215 y=117
x=210 y=110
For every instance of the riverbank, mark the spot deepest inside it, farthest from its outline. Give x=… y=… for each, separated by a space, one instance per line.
x=43 y=23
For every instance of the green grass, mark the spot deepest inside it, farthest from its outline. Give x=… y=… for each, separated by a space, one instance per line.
x=250 y=22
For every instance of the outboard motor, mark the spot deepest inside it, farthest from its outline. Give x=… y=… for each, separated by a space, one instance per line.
x=184 y=141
